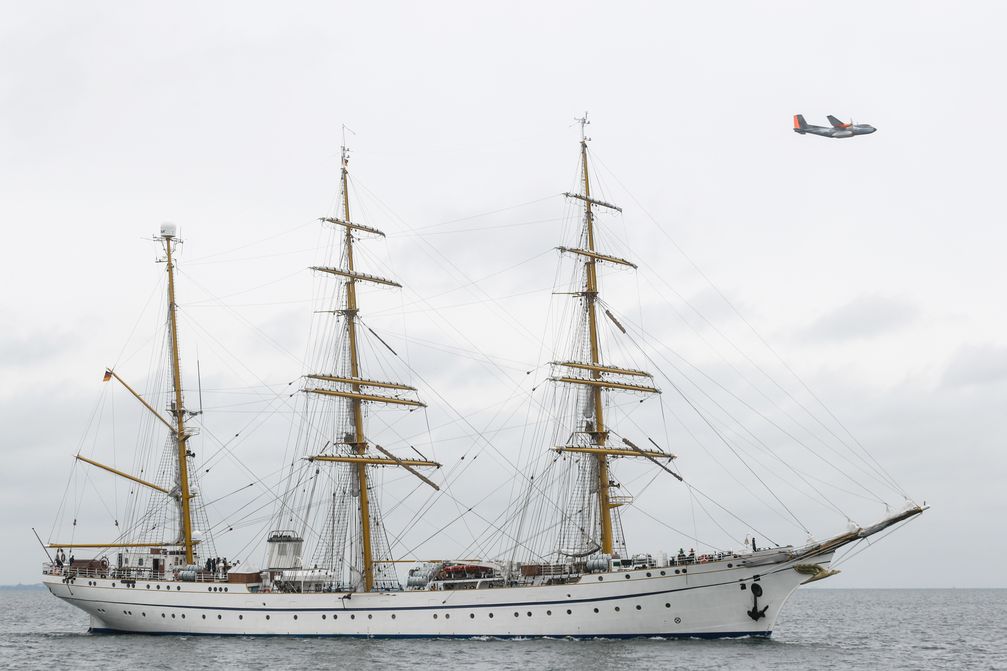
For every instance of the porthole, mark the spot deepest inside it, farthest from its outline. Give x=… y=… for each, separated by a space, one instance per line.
x=123 y=612
x=183 y=616
x=323 y=616
x=353 y=617
x=204 y=616
x=435 y=616
x=159 y=587
x=663 y=573
x=219 y=617
x=639 y=607
x=601 y=577
x=295 y=617
x=241 y=617
x=162 y=614
x=393 y=616
x=743 y=586
x=569 y=612
x=729 y=565
x=172 y=616
x=472 y=615
x=628 y=576
x=334 y=616
x=648 y=574
x=143 y=614
x=209 y=589
x=178 y=588
x=685 y=570
x=370 y=616
x=517 y=614
x=113 y=584
x=529 y=613
x=667 y=605
x=491 y=614
x=595 y=610
x=677 y=571
x=225 y=589
x=267 y=617
x=548 y=612
x=678 y=620
x=617 y=609
x=447 y=616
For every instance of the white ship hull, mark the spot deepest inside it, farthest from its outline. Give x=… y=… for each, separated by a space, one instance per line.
x=704 y=600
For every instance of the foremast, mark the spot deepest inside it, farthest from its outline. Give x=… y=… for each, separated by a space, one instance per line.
x=352 y=388
x=599 y=380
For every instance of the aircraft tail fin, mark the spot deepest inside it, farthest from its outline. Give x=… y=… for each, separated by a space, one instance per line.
x=800 y=125
x=836 y=123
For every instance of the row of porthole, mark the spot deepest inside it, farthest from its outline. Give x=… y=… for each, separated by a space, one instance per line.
x=651 y=575
x=94 y=583
x=370 y=616
x=216 y=589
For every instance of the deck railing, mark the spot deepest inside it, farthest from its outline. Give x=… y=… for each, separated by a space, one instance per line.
x=127 y=573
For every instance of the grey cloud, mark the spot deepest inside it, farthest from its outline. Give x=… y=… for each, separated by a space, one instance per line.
x=866 y=316
x=976 y=365
x=20 y=350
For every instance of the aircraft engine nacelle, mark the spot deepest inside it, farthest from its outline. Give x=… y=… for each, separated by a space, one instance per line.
x=843 y=133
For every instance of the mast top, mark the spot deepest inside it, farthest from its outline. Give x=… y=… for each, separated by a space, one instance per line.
x=583 y=121
x=343 y=149
x=169 y=230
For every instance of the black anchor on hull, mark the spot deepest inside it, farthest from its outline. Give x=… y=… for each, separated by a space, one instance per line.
x=757 y=614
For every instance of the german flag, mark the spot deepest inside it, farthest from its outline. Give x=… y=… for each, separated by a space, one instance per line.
x=108 y=376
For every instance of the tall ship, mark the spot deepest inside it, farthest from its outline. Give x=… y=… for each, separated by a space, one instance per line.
x=329 y=568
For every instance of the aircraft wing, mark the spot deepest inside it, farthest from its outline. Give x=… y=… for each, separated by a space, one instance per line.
x=836 y=123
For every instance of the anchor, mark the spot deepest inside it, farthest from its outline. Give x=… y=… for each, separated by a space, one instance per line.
x=757 y=614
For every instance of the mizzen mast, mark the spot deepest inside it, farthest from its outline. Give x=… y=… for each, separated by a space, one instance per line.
x=598 y=381
x=178 y=406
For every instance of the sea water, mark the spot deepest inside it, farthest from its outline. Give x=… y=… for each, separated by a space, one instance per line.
x=819 y=629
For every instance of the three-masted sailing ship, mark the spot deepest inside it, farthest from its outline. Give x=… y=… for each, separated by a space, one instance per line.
x=162 y=574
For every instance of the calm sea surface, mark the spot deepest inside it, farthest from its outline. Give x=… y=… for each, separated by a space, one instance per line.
x=820 y=629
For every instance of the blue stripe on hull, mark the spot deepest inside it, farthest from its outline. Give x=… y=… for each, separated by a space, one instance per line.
x=578 y=637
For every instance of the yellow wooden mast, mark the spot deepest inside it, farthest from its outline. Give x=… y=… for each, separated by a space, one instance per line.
x=597 y=384
x=356 y=403
x=178 y=409
x=355 y=387
x=590 y=300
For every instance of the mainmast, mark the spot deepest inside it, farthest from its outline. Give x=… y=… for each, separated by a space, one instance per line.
x=356 y=404
x=351 y=387
x=177 y=406
x=599 y=381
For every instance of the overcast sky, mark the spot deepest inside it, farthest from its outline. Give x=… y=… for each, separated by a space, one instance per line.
x=873 y=266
